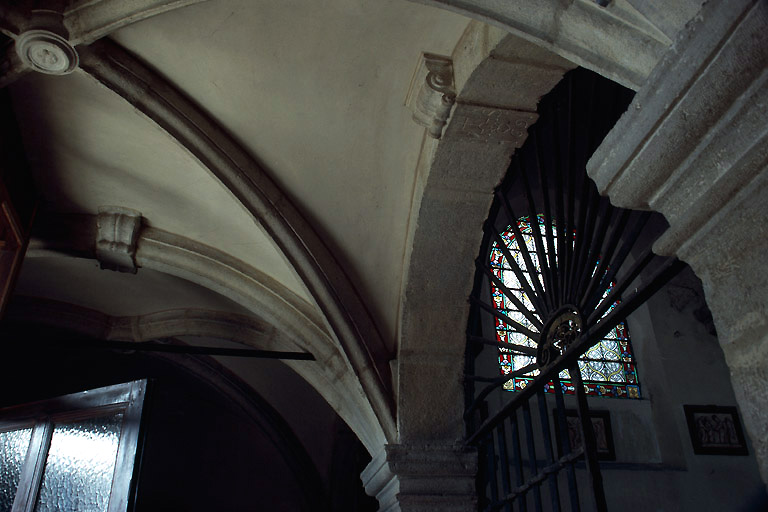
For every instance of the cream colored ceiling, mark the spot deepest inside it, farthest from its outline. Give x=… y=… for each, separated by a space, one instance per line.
x=80 y=282
x=89 y=148
x=314 y=90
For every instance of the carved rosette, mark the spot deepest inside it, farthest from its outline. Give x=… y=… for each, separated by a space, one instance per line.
x=46 y=52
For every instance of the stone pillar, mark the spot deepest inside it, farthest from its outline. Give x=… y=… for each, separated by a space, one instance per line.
x=419 y=478
x=694 y=146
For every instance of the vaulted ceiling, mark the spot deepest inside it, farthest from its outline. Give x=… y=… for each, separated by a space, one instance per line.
x=268 y=150
x=314 y=92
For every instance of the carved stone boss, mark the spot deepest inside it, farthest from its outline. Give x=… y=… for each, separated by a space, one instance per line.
x=46 y=52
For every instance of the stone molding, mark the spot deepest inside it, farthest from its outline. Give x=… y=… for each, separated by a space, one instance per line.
x=89 y=20
x=432 y=94
x=422 y=478
x=268 y=301
x=345 y=312
x=170 y=323
x=694 y=146
x=620 y=41
x=117 y=230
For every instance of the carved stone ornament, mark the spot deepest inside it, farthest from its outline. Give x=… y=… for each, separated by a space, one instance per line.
x=117 y=230
x=490 y=124
x=431 y=94
x=46 y=52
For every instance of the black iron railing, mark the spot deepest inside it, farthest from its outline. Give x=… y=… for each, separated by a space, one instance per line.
x=586 y=266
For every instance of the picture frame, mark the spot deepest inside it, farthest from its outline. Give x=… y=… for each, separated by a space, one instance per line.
x=601 y=423
x=715 y=430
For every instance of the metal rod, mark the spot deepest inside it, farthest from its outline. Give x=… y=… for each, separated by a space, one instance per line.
x=510 y=295
x=620 y=288
x=620 y=256
x=512 y=347
x=536 y=480
x=559 y=222
x=593 y=256
x=584 y=239
x=523 y=248
x=565 y=443
x=587 y=194
x=506 y=484
x=570 y=186
x=597 y=285
x=533 y=219
x=151 y=346
x=491 y=468
x=531 y=442
x=518 y=458
x=519 y=273
x=552 y=250
x=588 y=438
x=507 y=320
x=554 y=494
x=495 y=383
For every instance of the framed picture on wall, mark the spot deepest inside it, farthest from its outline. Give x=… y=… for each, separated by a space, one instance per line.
x=715 y=430
x=601 y=424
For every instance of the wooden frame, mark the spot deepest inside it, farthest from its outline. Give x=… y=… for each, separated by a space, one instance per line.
x=41 y=417
x=601 y=424
x=715 y=430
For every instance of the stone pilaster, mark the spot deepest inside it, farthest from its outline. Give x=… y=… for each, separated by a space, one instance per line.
x=422 y=478
x=694 y=146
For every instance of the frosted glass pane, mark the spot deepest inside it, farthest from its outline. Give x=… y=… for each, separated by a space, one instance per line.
x=13 y=451
x=80 y=465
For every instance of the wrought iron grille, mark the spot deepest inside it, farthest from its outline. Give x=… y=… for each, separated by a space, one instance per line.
x=595 y=267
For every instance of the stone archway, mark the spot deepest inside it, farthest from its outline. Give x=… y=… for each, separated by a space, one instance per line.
x=499 y=79
x=694 y=146
x=619 y=39
x=290 y=320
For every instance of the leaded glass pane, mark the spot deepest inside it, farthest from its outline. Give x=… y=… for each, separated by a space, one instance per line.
x=607 y=368
x=80 y=465
x=13 y=451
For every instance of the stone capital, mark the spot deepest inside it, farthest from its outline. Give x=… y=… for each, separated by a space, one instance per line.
x=422 y=478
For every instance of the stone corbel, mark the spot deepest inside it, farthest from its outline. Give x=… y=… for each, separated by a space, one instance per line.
x=117 y=230
x=432 y=93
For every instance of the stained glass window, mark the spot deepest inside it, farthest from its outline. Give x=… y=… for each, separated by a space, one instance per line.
x=608 y=368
